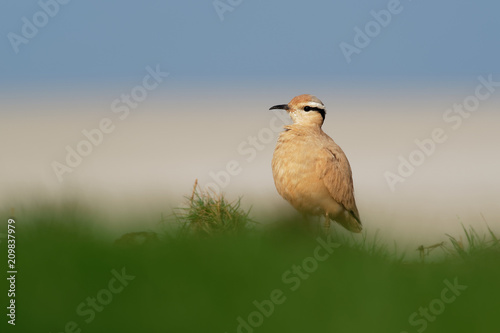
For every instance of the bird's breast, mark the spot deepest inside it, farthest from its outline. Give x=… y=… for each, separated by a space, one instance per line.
x=295 y=173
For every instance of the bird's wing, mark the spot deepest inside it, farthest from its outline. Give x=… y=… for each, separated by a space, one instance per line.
x=335 y=171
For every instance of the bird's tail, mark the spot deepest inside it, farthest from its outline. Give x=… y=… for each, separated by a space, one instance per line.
x=348 y=221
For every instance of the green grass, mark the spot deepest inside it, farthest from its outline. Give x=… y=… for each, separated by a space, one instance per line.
x=205 y=273
x=475 y=245
x=209 y=214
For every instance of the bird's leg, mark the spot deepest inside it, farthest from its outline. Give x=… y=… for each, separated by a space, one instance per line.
x=326 y=226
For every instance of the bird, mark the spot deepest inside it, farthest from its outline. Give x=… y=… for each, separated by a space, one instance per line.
x=310 y=170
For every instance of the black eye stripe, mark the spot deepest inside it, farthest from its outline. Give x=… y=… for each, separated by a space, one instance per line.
x=321 y=111
x=308 y=108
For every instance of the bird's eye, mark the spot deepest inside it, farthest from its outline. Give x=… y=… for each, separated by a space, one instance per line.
x=307 y=108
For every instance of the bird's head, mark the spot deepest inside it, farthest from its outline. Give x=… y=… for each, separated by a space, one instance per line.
x=304 y=110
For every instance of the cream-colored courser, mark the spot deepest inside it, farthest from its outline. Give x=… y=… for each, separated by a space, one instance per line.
x=310 y=170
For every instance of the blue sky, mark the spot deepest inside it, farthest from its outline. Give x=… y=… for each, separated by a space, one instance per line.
x=111 y=41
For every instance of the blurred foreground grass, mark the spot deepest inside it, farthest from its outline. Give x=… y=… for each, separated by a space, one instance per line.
x=218 y=271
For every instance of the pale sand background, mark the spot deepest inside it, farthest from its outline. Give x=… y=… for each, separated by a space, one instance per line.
x=151 y=159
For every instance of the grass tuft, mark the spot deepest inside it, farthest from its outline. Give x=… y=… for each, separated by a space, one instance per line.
x=474 y=245
x=209 y=213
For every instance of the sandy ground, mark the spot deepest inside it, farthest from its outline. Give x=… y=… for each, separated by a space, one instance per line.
x=150 y=159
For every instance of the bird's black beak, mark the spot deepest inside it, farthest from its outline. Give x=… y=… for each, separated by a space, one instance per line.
x=280 y=107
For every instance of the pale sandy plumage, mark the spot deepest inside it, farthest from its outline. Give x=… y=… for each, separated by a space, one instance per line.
x=310 y=170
